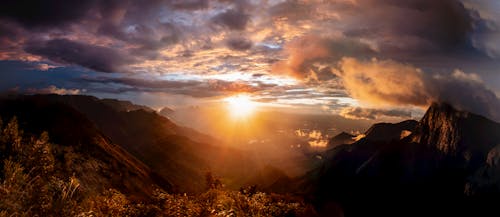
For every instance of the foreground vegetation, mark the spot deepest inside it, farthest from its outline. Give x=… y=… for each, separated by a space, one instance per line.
x=37 y=179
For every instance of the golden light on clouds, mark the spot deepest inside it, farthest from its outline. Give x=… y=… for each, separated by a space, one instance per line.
x=240 y=106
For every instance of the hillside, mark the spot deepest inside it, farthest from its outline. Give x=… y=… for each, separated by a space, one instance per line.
x=55 y=161
x=84 y=150
x=179 y=155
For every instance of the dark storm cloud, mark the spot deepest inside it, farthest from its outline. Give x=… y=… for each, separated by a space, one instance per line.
x=132 y=26
x=54 y=13
x=401 y=30
x=46 y=13
x=232 y=19
x=147 y=40
x=418 y=25
x=240 y=44
x=468 y=92
x=64 y=51
x=10 y=35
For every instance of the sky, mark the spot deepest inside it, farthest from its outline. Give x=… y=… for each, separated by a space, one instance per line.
x=361 y=59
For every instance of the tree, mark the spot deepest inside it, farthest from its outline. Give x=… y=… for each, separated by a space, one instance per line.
x=212 y=182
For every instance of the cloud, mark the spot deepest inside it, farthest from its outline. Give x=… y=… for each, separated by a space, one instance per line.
x=467 y=92
x=47 y=13
x=64 y=51
x=422 y=32
x=427 y=24
x=305 y=52
x=386 y=82
x=359 y=113
x=44 y=67
x=145 y=40
x=292 y=9
x=232 y=19
x=194 y=88
x=54 y=90
x=189 y=4
x=300 y=133
x=240 y=44
x=321 y=143
x=315 y=134
x=299 y=38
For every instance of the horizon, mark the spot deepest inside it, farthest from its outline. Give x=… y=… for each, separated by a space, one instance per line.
x=339 y=57
x=276 y=108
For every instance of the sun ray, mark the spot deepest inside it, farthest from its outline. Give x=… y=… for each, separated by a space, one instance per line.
x=240 y=106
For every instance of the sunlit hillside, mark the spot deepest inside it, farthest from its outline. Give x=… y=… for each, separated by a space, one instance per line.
x=236 y=108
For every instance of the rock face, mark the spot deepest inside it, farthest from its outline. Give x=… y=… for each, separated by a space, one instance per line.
x=439 y=127
x=447 y=163
x=457 y=133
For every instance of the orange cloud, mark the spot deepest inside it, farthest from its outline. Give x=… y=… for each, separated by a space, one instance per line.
x=359 y=113
x=390 y=83
x=52 y=89
x=301 y=51
x=384 y=82
x=310 y=56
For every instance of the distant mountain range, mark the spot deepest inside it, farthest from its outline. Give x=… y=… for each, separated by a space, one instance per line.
x=445 y=164
x=179 y=156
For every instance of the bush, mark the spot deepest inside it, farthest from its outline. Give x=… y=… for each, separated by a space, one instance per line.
x=31 y=184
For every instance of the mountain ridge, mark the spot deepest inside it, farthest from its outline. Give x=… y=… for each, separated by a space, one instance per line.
x=448 y=159
x=115 y=167
x=177 y=154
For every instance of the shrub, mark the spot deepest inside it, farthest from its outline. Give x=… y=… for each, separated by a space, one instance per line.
x=30 y=185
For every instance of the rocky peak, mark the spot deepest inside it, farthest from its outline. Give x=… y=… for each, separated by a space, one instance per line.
x=439 y=127
x=453 y=131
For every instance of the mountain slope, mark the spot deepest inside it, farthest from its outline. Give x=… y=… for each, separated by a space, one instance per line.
x=82 y=149
x=179 y=155
x=444 y=167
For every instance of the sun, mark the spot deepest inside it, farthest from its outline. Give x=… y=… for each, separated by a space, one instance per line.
x=240 y=106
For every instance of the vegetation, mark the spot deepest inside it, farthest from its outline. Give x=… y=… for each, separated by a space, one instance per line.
x=33 y=182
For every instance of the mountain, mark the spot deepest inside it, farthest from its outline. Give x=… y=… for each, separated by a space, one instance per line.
x=388 y=131
x=445 y=164
x=81 y=150
x=121 y=105
x=166 y=111
x=179 y=155
x=456 y=132
x=270 y=179
x=341 y=138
